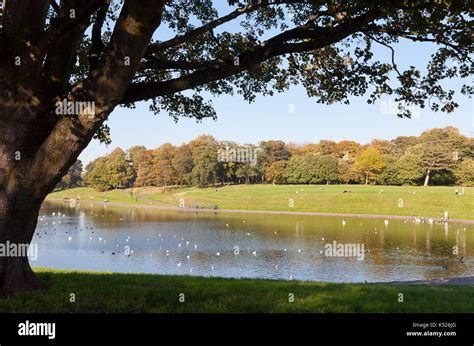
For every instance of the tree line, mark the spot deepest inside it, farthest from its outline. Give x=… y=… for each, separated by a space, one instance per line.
x=440 y=156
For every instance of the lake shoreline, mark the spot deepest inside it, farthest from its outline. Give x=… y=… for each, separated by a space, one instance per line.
x=271 y=212
x=468 y=280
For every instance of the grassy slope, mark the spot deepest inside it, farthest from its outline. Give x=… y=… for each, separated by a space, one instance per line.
x=428 y=201
x=112 y=292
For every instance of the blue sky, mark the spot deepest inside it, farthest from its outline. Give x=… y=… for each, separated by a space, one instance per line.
x=269 y=117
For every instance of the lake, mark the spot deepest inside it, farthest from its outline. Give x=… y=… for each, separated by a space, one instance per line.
x=338 y=249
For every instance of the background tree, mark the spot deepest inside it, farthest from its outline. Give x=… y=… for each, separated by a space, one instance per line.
x=464 y=172
x=369 y=163
x=205 y=165
x=326 y=147
x=327 y=168
x=144 y=168
x=327 y=47
x=132 y=155
x=440 y=150
x=162 y=165
x=275 y=173
x=183 y=164
x=246 y=172
x=97 y=174
x=73 y=178
x=270 y=152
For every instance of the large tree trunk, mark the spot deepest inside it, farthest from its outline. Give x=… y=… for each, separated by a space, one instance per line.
x=18 y=219
x=46 y=143
x=427 y=178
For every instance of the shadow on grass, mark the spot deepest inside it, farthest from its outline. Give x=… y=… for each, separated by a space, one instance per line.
x=95 y=292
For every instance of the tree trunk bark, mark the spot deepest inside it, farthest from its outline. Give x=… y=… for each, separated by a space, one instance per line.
x=18 y=219
x=427 y=178
x=366 y=178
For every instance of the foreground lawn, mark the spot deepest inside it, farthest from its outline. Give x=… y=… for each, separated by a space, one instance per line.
x=132 y=293
x=430 y=201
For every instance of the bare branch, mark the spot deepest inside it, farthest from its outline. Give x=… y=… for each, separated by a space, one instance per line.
x=389 y=47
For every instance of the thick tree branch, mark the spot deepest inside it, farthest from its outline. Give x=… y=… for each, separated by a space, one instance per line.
x=104 y=87
x=193 y=34
x=78 y=14
x=55 y=6
x=164 y=64
x=313 y=38
x=97 y=46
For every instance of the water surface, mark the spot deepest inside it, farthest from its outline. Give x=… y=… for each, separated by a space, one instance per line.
x=141 y=240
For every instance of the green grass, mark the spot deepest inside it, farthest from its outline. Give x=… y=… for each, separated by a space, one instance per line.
x=430 y=201
x=97 y=292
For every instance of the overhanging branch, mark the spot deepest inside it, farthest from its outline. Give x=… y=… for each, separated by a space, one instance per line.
x=313 y=38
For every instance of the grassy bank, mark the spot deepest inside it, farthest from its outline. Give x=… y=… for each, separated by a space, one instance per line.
x=430 y=201
x=132 y=293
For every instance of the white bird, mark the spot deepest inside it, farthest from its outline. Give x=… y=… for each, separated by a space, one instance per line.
x=248 y=234
x=299 y=250
x=254 y=253
x=322 y=238
x=179 y=245
x=179 y=264
x=187 y=243
x=343 y=222
x=212 y=267
x=386 y=222
x=218 y=253
x=285 y=250
x=227 y=225
x=100 y=239
x=291 y=277
x=195 y=246
x=275 y=232
x=187 y=257
x=69 y=239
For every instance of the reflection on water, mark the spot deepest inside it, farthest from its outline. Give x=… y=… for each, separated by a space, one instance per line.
x=97 y=237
